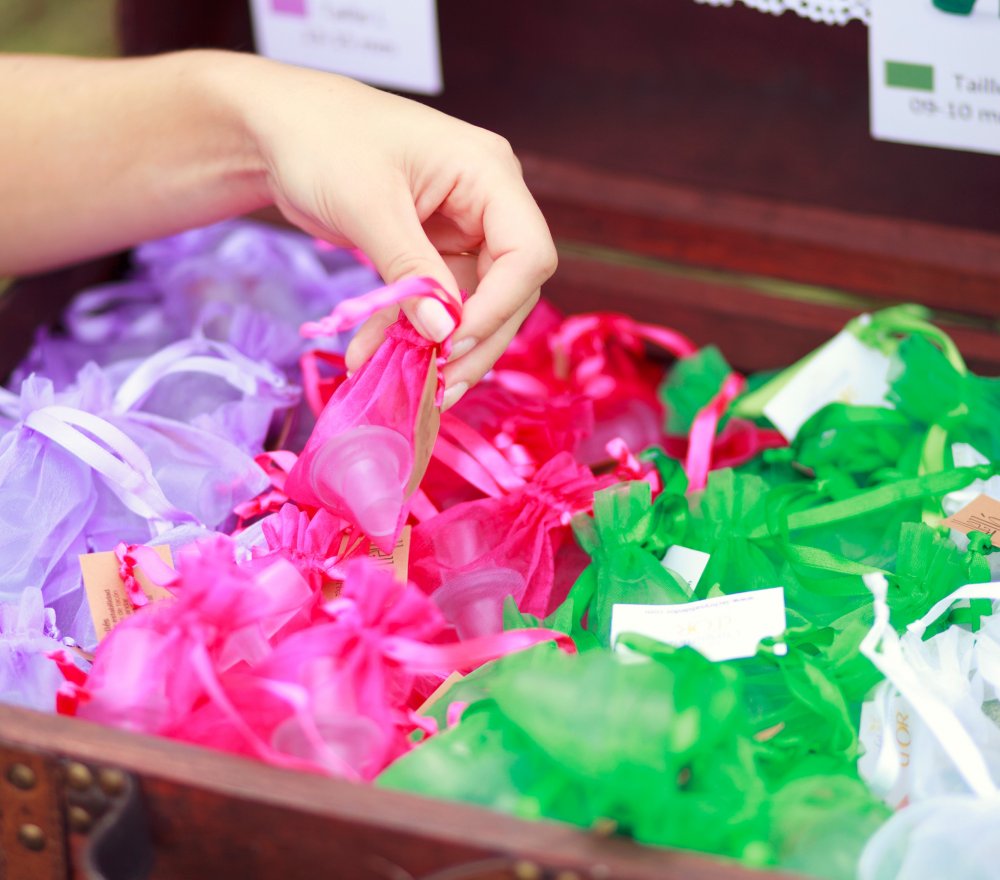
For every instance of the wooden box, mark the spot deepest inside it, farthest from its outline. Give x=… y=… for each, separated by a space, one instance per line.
x=706 y=169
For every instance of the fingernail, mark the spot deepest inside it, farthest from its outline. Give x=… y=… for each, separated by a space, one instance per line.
x=453 y=394
x=432 y=320
x=462 y=347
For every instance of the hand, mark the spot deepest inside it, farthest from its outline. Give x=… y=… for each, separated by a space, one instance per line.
x=419 y=192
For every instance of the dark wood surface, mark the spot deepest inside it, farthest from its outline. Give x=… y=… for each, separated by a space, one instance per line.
x=756 y=326
x=724 y=100
x=875 y=258
x=38 y=301
x=215 y=815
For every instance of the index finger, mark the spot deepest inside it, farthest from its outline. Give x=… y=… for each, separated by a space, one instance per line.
x=518 y=241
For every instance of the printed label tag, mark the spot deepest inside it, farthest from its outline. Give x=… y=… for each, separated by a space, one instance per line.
x=689 y=564
x=425 y=430
x=391 y=43
x=106 y=593
x=439 y=692
x=398 y=562
x=982 y=514
x=892 y=782
x=934 y=68
x=722 y=628
x=844 y=370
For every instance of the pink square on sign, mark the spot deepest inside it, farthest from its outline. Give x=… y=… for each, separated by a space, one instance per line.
x=290 y=7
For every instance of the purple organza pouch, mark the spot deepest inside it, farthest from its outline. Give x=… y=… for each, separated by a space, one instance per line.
x=252 y=285
x=27 y=634
x=208 y=385
x=103 y=325
x=243 y=283
x=82 y=471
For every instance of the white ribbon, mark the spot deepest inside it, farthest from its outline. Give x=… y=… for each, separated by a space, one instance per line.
x=125 y=468
x=882 y=647
x=201 y=356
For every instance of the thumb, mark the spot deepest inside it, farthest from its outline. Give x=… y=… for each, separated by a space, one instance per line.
x=397 y=245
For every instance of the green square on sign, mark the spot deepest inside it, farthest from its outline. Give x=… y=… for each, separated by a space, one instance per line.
x=902 y=75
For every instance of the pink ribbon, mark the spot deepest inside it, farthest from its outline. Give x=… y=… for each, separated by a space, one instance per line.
x=351 y=312
x=317 y=388
x=130 y=556
x=276 y=466
x=470 y=455
x=699 y=454
x=424 y=658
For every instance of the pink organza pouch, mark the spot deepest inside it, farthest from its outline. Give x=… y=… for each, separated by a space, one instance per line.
x=244 y=659
x=601 y=356
x=371 y=444
x=475 y=554
x=154 y=668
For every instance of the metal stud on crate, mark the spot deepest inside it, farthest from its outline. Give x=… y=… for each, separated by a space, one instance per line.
x=105 y=804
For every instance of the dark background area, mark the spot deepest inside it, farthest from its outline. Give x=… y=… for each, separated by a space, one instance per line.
x=722 y=99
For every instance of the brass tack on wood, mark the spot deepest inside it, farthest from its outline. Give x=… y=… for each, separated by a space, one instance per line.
x=111 y=781
x=79 y=819
x=78 y=776
x=21 y=776
x=525 y=870
x=31 y=836
x=604 y=827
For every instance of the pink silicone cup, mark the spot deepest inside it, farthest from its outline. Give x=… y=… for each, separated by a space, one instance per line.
x=365 y=469
x=472 y=601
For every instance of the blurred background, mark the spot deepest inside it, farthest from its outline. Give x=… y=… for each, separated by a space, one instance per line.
x=78 y=27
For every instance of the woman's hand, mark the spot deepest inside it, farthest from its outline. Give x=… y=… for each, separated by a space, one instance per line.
x=419 y=192
x=100 y=155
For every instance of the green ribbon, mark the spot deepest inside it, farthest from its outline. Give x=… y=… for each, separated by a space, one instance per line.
x=884 y=497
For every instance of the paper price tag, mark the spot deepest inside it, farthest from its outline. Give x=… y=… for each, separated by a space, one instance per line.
x=391 y=43
x=982 y=514
x=106 y=594
x=934 y=68
x=397 y=562
x=722 y=628
x=689 y=564
x=891 y=780
x=844 y=370
x=439 y=692
x=425 y=429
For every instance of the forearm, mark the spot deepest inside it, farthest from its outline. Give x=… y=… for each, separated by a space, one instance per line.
x=99 y=155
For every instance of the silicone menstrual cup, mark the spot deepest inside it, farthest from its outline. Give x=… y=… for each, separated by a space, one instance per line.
x=364 y=471
x=473 y=600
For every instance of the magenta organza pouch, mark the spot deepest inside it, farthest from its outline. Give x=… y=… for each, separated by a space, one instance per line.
x=312 y=544
x=474 y=555
x=525 y=429
x=602 y=357
x=371 y=444
x=154 y=668
x=228 y=663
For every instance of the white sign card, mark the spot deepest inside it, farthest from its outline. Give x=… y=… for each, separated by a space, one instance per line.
x=390 y=43
x=721 y=628
x=844 y=370
x=934 y=68
x=689 y=564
